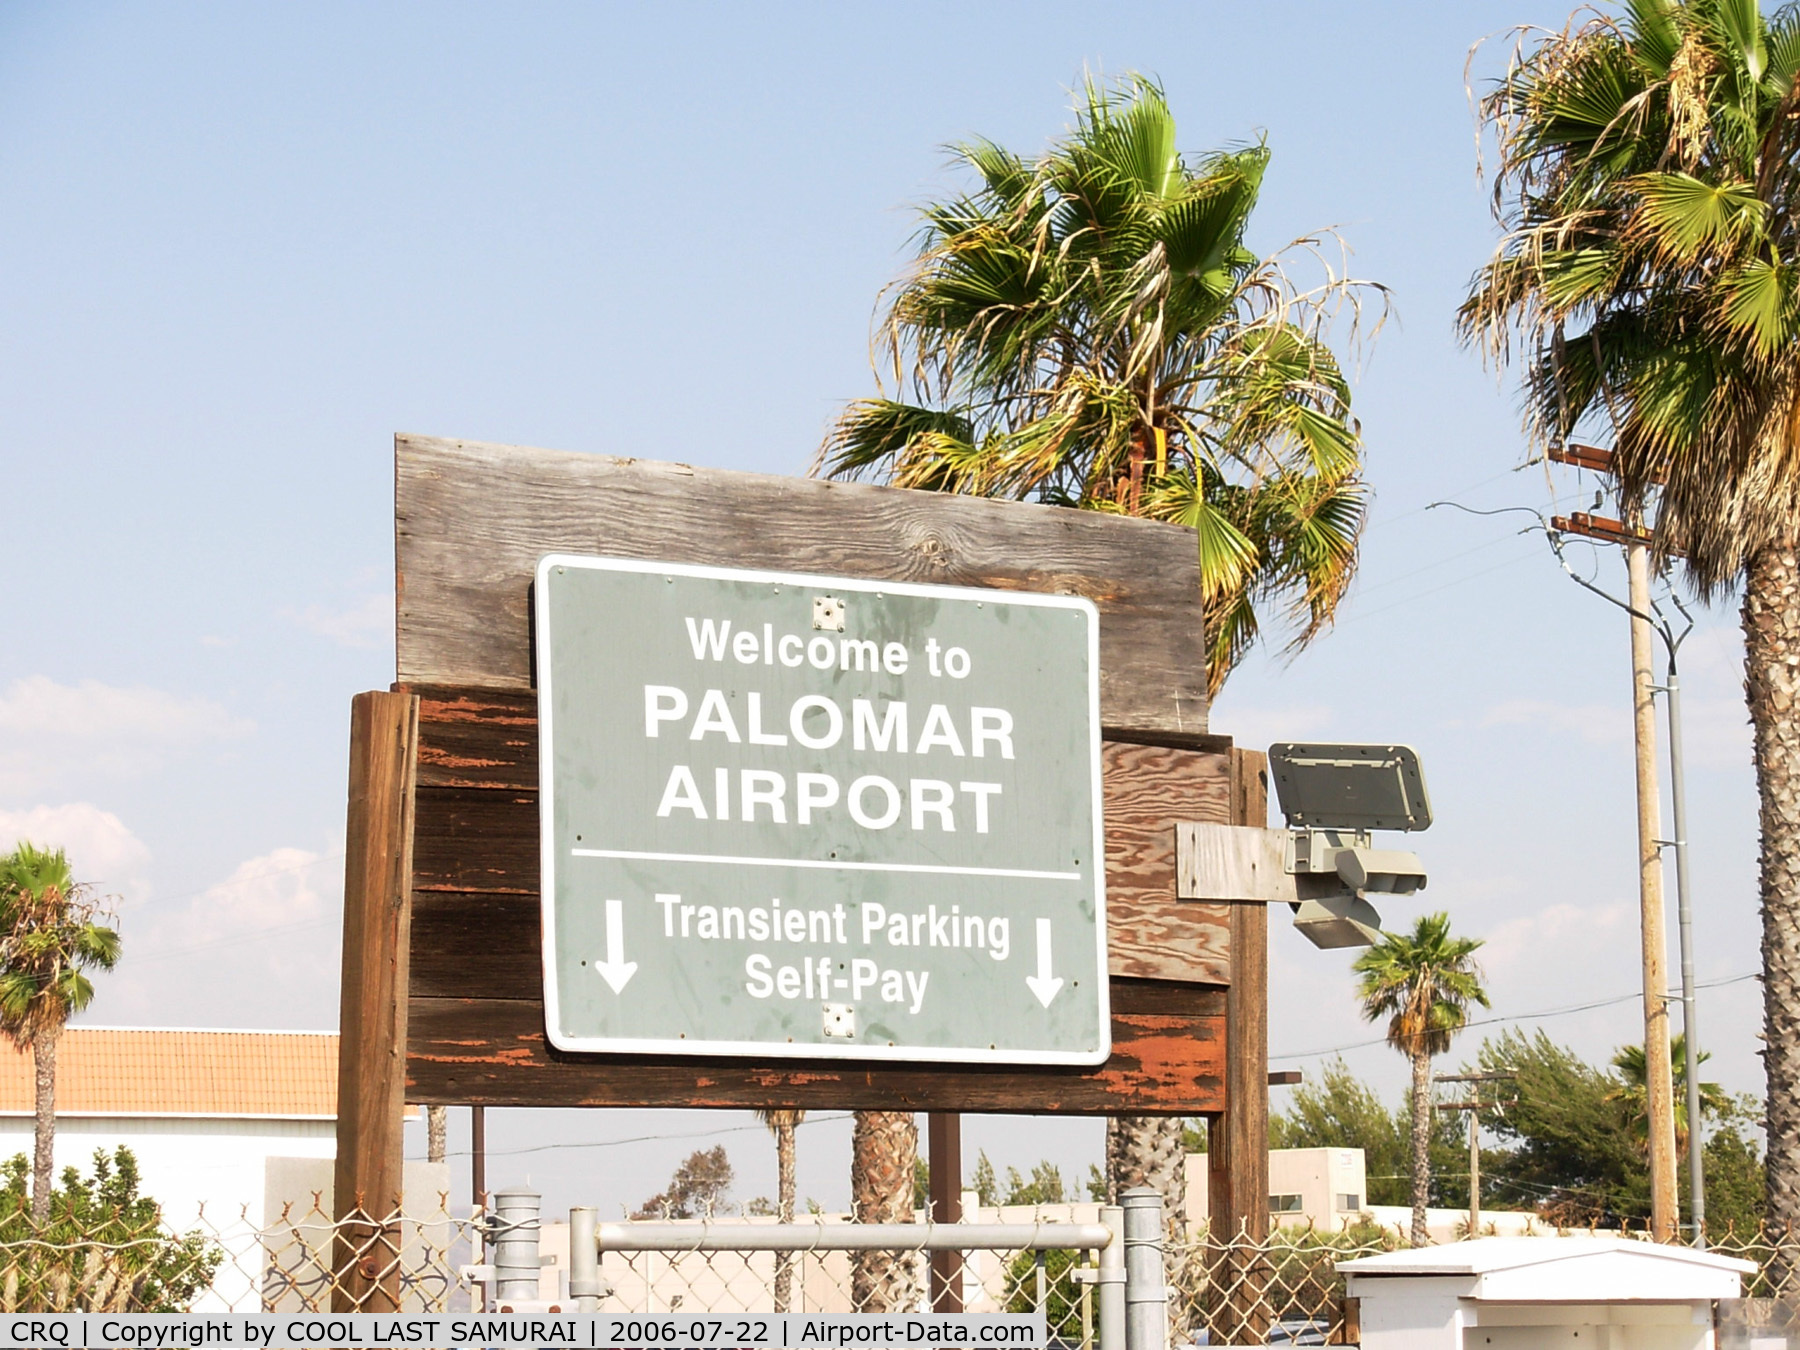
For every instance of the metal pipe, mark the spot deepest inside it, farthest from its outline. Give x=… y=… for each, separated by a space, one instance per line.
x=1146 y=1296
x=1690 y=1035
x=849 y=1237
x=1111 y=1278
x=584 y=1260
x=514 y=1236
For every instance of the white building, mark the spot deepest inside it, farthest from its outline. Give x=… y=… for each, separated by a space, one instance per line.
x=1327 y=1189
x=203 y=1111
x=234 y=1132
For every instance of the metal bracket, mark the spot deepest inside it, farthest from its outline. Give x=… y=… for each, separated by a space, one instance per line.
x=840 y=1021
x=1096 y=1275
x=828 y=613
x=1310 y=850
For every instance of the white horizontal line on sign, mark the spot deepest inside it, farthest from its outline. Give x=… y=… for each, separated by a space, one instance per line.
x=830 y=865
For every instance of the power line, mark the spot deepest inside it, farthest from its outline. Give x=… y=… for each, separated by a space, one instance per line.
x=1517 y=1017
x=643 y=1138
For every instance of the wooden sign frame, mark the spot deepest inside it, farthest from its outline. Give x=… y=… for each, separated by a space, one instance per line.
x=442 y=992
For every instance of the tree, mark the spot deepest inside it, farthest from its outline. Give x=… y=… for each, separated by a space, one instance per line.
x=985 y=1185
x=1633 y=1091
x=883 y=1148
x=1568 y=1149
x=782 y=1123
x=1734 y=1174
x=104 y=1248
x=1341 y=1111
x=1423 y=982
x=1648 y=163
x=1086 y=328
x=50 y=936
x=698 y=1187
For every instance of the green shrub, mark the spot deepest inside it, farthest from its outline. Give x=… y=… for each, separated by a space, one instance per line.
x=104 y=1248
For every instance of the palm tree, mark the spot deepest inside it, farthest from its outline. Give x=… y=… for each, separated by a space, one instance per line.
x=1423 y=982
x=782 y=1123
x=49 y=936
x=884 y=1152
x=1086 y=328
x=1632 y=1092
x=1647 y=173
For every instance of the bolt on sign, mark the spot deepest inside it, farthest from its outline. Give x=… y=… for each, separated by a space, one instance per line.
x=787 y=815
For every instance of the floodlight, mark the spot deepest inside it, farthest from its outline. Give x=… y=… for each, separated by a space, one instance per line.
x=1333 y=796
x=1350 y=787
x=1334 y=921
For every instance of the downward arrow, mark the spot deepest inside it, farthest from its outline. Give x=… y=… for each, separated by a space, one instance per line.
x=1045 y=987
x=616 y=970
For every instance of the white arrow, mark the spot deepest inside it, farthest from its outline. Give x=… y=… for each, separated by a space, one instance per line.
x=615 y=970
x=1042 y=984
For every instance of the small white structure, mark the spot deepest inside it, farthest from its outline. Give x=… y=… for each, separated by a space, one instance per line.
x=1327 y=1189
x=1507 y=1293
x=1320 y=1187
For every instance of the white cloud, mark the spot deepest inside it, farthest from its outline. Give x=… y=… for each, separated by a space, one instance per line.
x=367 y=623
x=1532 y=941
x=102 y=851
x=50 y=732
x=1595 y=723
x=258 y=948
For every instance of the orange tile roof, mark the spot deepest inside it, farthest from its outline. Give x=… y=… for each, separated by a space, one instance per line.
x=141 y=1071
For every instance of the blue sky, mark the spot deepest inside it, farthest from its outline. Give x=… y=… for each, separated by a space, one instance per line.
x=244 y=245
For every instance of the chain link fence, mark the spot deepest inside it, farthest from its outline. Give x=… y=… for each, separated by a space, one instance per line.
x=1282 y=1289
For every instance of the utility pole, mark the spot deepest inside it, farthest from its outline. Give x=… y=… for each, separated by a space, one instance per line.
x=1473 y=1107
x=1658 y=1070
x=1633 y=536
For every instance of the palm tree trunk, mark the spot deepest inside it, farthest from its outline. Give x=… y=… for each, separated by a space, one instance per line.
x=437 y=1133
x=1146 y=1151
x=1771 y=619
x=1421 y=1145
x=43 y=1058
x=884 y=1147
x=784 y=1206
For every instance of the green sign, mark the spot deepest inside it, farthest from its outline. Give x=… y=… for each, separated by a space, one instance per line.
x=809 y=816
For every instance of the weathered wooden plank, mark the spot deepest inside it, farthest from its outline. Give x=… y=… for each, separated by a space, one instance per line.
x=1231 y=862
x=478 y=738
x=478 y=831
x=1168 y=1059
x=471 y=521
x=471 y=839
x=460 y=937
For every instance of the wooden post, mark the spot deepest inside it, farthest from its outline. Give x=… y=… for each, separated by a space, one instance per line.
x=944 y=1156
x=1658 y=1065
x=1238 y=1138
x=1474 y=1174
x=378 y=845
x=478 y=1156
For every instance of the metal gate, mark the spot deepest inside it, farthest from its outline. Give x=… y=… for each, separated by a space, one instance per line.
x=1115 y=1299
